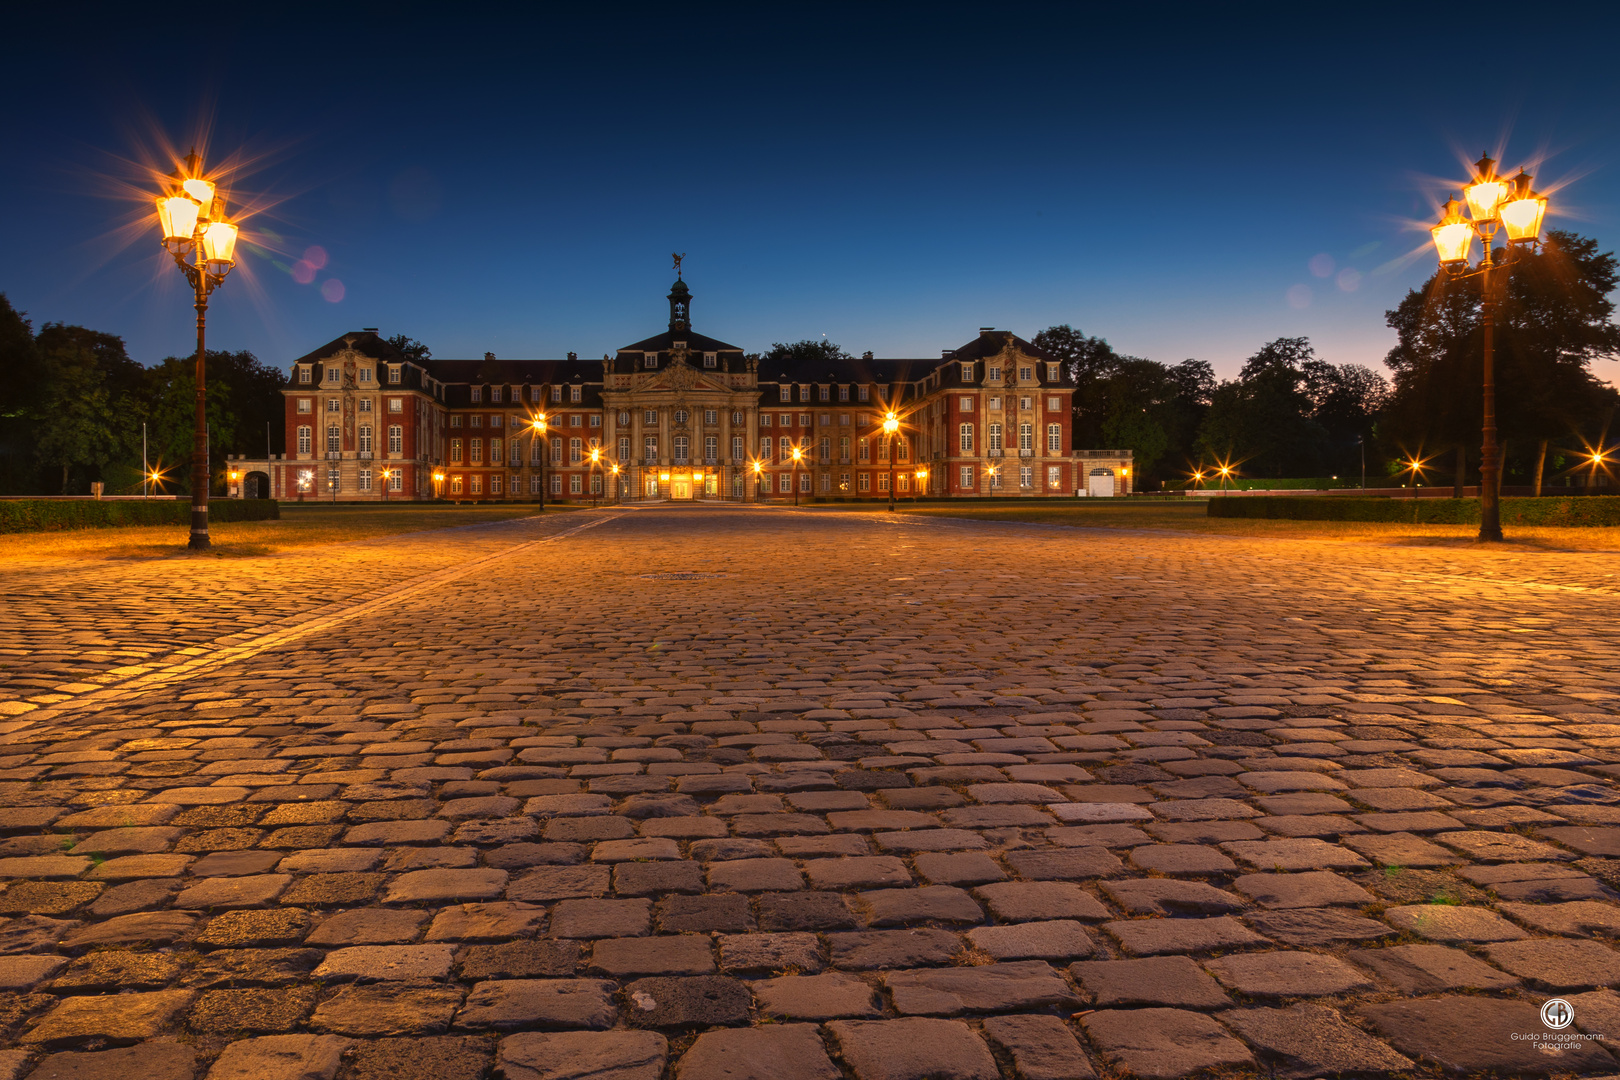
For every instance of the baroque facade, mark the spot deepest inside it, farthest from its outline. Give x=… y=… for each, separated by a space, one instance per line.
x=678 y=415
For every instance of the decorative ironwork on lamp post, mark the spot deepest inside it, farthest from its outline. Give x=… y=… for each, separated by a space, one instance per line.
x=1493 y=203
x=191 y=211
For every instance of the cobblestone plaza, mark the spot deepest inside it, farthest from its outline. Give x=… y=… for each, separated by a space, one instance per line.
x=729 y=792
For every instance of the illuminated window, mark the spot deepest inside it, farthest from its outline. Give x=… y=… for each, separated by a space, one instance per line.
x=455 y=451
x=455 y=485
x=304 y=405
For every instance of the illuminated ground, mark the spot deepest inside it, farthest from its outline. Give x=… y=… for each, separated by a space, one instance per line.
x=720 y=792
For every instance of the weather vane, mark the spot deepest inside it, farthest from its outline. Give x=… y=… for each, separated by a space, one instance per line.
x=678 y=259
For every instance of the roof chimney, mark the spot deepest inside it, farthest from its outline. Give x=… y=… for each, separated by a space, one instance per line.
x=947 y=353
x=985 y=329
x=368 y=329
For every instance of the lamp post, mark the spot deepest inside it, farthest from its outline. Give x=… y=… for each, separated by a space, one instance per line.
x=1493 y=203
x=538 y=424
x=891 y=424
x=386 y=475
x=758 y=467
x=596 y=464
x=1226 y=470
x=616 y=491
x=798 y=454
x=438 y=485
x=192 y=215
x=922 y=478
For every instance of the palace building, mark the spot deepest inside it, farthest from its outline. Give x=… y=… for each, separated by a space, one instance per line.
x=682 y=416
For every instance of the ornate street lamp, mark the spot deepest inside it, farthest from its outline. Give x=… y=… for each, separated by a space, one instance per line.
x=191 y=212
x=616 y=482
x=758 y=468
x=798 y=455
x=1513 y=207
x=891 y=424
x=538 y=424
x=596 y=461
x=438 y=485
x=387 y=474
x=922 y=478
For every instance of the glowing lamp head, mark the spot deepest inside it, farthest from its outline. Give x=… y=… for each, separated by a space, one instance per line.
x=1453 y=236
x=178 y=217
x=540 y=424
x=891 y=423
x=1486 y=192
x=758 y=468
x=202 y=192
x=1124 y=472
x=233 y=474
x=596 y=455
x=1523 y=211
x=219 y=247
x=797 y=453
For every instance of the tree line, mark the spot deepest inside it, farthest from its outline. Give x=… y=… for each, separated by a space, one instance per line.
x=73 y=402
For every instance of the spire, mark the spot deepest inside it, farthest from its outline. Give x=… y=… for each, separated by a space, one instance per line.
x=680 y=307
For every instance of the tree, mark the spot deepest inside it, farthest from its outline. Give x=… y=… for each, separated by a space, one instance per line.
x=89 y=386
x=809 y=352
x=1553 y=322
x=1264 y=418
x=22 y=381
x=413 y=349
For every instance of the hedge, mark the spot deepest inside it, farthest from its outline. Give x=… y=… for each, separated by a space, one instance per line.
x=1591 y=510
x=51 y=515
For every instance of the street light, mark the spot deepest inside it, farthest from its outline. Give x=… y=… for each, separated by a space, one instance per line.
x=538 y=424
x=1226 y=470
x=758 y=468
x=798 y=454
x=891 y=424
x=191 y=213
x=438 y=485
x=616 y=491
x=596 y=460
x=386 y=475
x=1517 y=209
x=922 y=478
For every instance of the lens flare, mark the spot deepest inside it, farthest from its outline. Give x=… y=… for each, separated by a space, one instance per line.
x=332 y=290
x=1322 y=265
x=1299 y=297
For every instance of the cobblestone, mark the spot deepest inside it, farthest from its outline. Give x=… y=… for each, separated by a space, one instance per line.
x=1170 y=778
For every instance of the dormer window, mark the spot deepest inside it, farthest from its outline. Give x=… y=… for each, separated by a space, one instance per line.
x=804 y=393
x=393 y=374
x=495 y=394
x=574 y=393
x=652 y=360
x=862 y=393
x=826 y=393
x=304 y=375
x=1052 y=373
x=843 y=393
x=786 y=392
x=967 y=372
x=365 y=374
x=994 y=374
x=709 y=360
x=478 y=393
x=333 y=375
x=1025 y=374
x=556 y=393
x=680 y=345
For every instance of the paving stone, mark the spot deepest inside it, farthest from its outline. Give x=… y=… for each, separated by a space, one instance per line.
x=753 y=953
x=118 y=970
x=519 y=959
x=1181 y=859
x=48 y=897
x=332 y=890
x=1556 y=964
x=440 y=886
x=755 y=875
x=1041 y=1047
x=253 y=967
x=816 y=997
x=1153 y=937
x=863 y=872
x=1500 y=847
x=1580 y=918
x=281 y=1057
x=886 y=949
x=147 y=1061
x=1318 y=888
x=726 y=913
x=431 y=1058
x=368 y=963
x=1283 y=855
x=26 y=972
x=1424 y=969
x=778 y=1052
x=913 y=1048
x=1449 y=922
x=253 y=1011
x=517 y=1004
x=486 y=922
x=1020 y=901
x=694 y=1002
x=653 y=878
x=1163 y=1042
x=1287 y=974
x=804 y=911
x=388 y=1008
x=1401 y=849
x=965 y=868
x=999 y=987
x=685 y=954
x=549 y=883
x=1161 y=980
x=1313 y=927
x=369 y=926
x=286 y=926
x=1310 y=1041
x=930 y=903
x=115 y=1018
x=1475 y=1035
x=1054 y=940
x=601 y=918
x=581 y=1055
x=1157 y=896
x=157 y=928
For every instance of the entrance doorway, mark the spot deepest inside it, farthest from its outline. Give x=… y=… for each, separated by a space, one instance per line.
x=649 y=487
x=680 y=489
x=1101 y=483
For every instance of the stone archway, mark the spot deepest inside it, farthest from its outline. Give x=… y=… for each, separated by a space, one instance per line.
x=256 y=485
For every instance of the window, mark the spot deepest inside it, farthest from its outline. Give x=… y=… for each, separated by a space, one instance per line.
x=650 y=446
x=576 y=393
x=304 y=404
x=575 y=484
x=575 y=419
x=804 y=419
x=804 y=393
x=1026 y=404
x=682 y=445
x=883 y=450
x=334 y=405
x=826 y=419
x=904 y=480
x=1025 y=374
x=964 y=438
x=649 y=416
x=883 y=481
x=497 y=420
x=1054 y=438
x=903 y=447
x=994 y=473
x=478 y=394
x=736 y=448
x=304 y=439
x=396 y=439
x=826 y=483
x=764 y=419
x=624 y=418
x=596 y=483
x=455 y=421
x=624 y=448
x=711 y=416
x=365 y=438
x=333 y=375
x=711 y=449
x=455 y=485
x=826 y=393
x=967 y=372
x=995 y=438
x=556 y=451
x=786 y=392
x=804 y=481
x=303 y=375
x=396 y=479
x=966 y=478
x=495 y=396
x=843 y=419
x=334 y=439
x=477 y=451
x=556 y=485
x=365 y=377
x=1054 y=404
x=1026 y=439
x=576 y=451
x=863 y=482
x=864 y=450
x=455 y=451
x=843 y=393
x=786 y=420
x=556 y=393
x=994 y=374
x=534 y=484
x=784 y=482
x=534 y=393
x=535 y=450
x=1026 y=477
x=497 y=451
x=843 y=448
x=1052 y=373
x=1054 y=476
x=861 y=392
x=766 y=448
x=365 y=479
x=709 y=360
x=478 y=483
x=826 y=448
x=393 y=380
x=680 y=416
x=596 y=419
x=736 y=418
x=964 y=404
x=365 y=405
x=651 y=360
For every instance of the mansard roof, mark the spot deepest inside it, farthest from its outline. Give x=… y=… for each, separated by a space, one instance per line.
x=991 y=342
x=850 y=369
x=695 y=342
x=515 y=371
x=366 y=343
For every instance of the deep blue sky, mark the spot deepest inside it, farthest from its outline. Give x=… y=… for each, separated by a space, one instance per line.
x=890 y=176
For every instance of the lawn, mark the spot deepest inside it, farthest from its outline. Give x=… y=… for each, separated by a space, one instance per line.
x=301 y=526
x=1190 y=517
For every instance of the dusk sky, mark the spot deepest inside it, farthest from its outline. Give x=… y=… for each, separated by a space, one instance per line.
x=892 y=177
